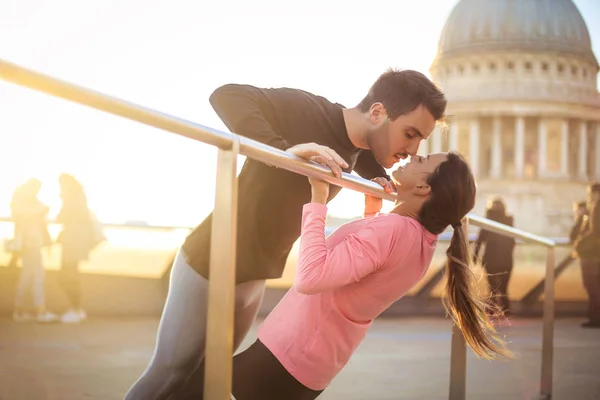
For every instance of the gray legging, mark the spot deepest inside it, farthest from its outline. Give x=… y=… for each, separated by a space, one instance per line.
x=182 y=332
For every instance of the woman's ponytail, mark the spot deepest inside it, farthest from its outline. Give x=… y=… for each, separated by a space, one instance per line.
x=453 y=193
x=469 y=312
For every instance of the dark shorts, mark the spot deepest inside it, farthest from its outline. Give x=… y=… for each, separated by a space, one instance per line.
x=258 y=375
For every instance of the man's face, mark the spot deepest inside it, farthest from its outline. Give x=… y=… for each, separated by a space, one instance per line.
x=392 y=141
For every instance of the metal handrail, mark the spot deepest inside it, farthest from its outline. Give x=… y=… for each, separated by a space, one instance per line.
x=229 y=146
x=506 y=230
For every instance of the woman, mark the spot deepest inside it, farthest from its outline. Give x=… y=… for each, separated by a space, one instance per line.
x=78 y=237
x=345 y=281
x=498 y=255
x=31 y=234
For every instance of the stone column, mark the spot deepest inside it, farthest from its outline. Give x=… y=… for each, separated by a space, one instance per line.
x=542 y=147
x=453 y=138
x=582 y=150
x=496 y=170
x=564 y=148
x=597 y=155
x=436 y=141
x=519 y=147
x=474 y=146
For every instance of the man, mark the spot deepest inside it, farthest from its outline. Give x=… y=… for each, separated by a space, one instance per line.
x=400 y=110
x=587 y=247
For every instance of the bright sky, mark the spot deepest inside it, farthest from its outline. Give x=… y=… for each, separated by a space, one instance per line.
x=170 y=56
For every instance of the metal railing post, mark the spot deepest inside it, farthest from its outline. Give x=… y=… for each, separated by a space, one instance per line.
x=458 y=355
x=458 y=365
x=548 y=328
x=221 y=291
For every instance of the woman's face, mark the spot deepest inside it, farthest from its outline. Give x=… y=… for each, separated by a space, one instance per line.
x=416 y=171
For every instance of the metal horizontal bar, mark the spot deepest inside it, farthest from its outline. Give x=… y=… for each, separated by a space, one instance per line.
x=55 y=87
x=43 y=83
x=506 y=230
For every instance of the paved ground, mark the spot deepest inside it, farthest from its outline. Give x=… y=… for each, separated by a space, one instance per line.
x=400 y=359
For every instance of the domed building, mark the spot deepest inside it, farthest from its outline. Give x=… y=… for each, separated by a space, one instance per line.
x=520 y=77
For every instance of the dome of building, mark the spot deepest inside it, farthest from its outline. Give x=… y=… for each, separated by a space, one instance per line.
x=520 y=77
x=545 y=26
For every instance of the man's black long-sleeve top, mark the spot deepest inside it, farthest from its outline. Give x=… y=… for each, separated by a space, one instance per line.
x=270 y=199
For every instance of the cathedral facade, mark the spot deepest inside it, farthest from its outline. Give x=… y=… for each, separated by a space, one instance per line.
x=524 y=108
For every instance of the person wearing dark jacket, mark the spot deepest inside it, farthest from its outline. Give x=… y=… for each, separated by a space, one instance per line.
x=498 y=254
x=587 y=249
x=78 y=237
x=399 y=111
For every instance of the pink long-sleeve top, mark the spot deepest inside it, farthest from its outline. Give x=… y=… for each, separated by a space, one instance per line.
x=342 y=283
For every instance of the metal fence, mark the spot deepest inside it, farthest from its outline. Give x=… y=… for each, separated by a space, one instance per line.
x=219 y=344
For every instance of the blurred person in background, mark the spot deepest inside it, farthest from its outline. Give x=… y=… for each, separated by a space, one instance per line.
x=498 y=254
x=30 y=236
x=79 y=235
x=579 y=212
x=587 y=249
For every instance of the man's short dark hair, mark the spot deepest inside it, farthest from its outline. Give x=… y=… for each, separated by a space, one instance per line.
x=594 y=187
x=401 y=92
